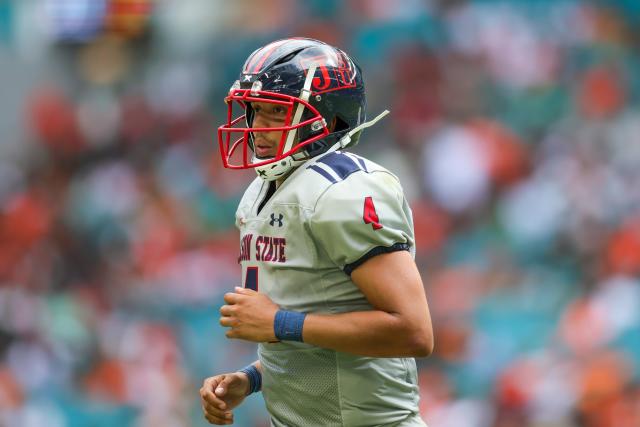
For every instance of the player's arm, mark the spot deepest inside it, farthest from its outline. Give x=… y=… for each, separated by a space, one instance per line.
x=351 y=222
x=400 y=325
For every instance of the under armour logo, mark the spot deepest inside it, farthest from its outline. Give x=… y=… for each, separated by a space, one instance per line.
x=274 y=220
x=247 y=77
x=262 y=172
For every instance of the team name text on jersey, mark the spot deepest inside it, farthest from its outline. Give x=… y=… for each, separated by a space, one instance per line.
x=267 y=249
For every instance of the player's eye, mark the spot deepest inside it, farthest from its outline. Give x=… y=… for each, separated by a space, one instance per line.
x=279 y=110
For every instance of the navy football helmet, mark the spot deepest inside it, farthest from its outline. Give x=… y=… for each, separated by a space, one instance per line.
x=321 y=88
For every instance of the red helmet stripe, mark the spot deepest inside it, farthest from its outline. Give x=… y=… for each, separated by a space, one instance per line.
x=268 y=50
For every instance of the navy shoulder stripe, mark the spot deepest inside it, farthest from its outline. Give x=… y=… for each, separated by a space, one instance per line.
x=322 y=172
x=364 y=166
x=341 y=164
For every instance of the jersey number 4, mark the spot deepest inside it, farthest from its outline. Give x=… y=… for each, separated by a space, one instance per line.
x=370 y=216
x=251 y=278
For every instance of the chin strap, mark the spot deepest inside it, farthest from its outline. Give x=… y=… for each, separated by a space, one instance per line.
x=281 y=168
x=346 y=139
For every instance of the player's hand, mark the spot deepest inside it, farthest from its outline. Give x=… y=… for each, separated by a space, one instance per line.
x=222 y=393
x=249 y=315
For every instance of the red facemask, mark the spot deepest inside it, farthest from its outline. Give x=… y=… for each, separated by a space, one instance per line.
x=236 y=153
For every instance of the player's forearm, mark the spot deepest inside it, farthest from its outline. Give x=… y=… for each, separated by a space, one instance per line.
x=370 y=333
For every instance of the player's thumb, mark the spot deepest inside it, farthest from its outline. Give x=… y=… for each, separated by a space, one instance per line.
x=223 y=385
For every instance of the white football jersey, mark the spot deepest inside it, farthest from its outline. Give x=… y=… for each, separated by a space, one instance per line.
x=330 y=215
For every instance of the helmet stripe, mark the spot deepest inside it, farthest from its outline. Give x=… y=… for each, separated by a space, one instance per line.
x=262 y=55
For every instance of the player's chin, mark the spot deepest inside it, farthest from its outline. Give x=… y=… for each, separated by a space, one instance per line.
x=265 y=153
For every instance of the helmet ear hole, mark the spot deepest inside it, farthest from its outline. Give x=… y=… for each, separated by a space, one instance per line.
x=337 y=125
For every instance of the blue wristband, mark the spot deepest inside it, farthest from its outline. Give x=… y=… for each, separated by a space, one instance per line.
x=288 y=325
x=255 y=378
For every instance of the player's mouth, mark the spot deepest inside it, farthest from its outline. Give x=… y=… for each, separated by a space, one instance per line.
x=264 y=149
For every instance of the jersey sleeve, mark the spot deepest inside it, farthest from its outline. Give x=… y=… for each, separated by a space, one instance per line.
x=357 y=219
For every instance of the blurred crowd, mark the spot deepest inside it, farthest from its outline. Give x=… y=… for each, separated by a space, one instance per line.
x=514 y=127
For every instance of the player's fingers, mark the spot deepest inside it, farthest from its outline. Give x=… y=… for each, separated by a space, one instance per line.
x=245 y=291
x=227 y=310
x=209 y=384
x=218 y=420
x=214 y=401
x=231 y=334
x=227 y=321
x=207 y=391
x=232 y=298
x=215 y=411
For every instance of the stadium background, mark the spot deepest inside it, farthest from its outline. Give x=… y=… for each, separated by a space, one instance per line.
x=515 y=129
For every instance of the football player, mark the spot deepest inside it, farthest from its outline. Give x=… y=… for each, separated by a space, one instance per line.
x=330 y=290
